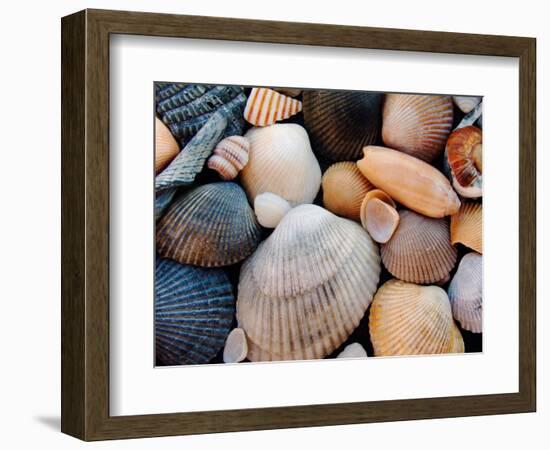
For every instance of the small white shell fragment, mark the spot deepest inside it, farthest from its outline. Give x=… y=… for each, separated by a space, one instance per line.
x=354 y=350
x=270 y=209
x=236 y=347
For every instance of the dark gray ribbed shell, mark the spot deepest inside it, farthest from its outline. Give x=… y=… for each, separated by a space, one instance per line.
x=194 y=309
x=341 y=123
x=212 y=225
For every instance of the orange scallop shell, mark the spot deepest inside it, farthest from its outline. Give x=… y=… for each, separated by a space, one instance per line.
x=467 y=226
x=166 y=146
x=266 y=106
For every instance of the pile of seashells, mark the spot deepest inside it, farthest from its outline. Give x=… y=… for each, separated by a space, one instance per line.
x=305 y=224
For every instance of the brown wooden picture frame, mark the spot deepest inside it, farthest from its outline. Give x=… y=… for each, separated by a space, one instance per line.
x=85 y=224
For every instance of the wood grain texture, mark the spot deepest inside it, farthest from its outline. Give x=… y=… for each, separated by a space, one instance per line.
x=85 y=224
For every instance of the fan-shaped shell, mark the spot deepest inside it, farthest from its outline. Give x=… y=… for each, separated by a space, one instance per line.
x=467 y=226
x=417 y=124
x=266 y=106
x=211 y=225
x=410 y=181
x=466 y=103
x=186 y=108
x=420 y=250
x=408 y=319
x=166 y=147
x=341 y=123
x=381 y=220
x=281 y=161
x=194 y=310
x=465 y=292
x=230 y=156
x=344 y=188
x=270 y=209
x=307 y=286
x=464 y=156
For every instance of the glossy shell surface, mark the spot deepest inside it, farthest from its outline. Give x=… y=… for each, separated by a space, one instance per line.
x=464 y=157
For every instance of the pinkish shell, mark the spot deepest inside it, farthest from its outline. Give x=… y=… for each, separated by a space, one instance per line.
x=230 y=156
x=266 y=107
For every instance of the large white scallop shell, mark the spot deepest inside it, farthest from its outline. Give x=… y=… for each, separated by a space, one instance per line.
x=305 y=289
x=281 y=161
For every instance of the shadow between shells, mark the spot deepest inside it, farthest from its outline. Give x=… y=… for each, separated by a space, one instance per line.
x=306 y=224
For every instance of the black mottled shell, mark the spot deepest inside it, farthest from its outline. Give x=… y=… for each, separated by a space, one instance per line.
x=194 y=310
x=341 y=123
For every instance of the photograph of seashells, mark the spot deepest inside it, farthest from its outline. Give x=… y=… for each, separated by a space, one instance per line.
x=300 y=224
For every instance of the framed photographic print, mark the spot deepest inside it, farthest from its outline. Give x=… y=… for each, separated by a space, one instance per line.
x=271 y=224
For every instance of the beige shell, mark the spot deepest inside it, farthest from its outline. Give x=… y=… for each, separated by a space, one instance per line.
x=307 y=286
x=417 y=124
x=236 y=347
x=410 y=181
x=381 y=220
x=266 y=107
x=230 y=156
x=281 y=161
x=408 y=319
x=464 y=153
x=466 y=103
x=344 y=188
x=466 y=292
x=419 y=250
x=353 y=350
x=270 y=209
x=467 y=226
x=166 y=146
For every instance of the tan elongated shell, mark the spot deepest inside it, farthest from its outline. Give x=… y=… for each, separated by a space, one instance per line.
x=410 y=181
x=211 y=225
x=381 y=220
x=307 y=286
x=281 y=161
x=166 y=146
x=464 y=156
x=266 y=107
x=229 y=157
x=408 y=319
x=466 y=293
x=344 y=188
x=270 y=209
x=341 y=123
x=417 y=124
x=467 y=226
x=420 y=250
x=466 y=103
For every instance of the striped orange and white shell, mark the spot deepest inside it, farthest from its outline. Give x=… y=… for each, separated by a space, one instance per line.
x=417 y=124
x=229 y=157
x=344 y=188
x=270 y=209
x=341 y=123
x=466 y=103
x=305 y=289
x=466 y=292
x=166 y=146
x=464 y=157
x=281 y=161
x=409 y=181
x=467 y=226
x=212 y=225
x=266 y=107
x=420 y=250
x=408 y=319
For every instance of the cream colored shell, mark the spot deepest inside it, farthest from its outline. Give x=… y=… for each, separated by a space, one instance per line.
x=166 y=146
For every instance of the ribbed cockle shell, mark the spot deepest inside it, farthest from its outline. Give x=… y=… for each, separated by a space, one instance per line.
x=467 y=226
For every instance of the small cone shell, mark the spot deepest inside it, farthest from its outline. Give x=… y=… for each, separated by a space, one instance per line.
x=408 y=319
x=417 y=124
x=354 y=350
x=236 y=348
x=266 y=107
x=229 y=157
x=344 y=188
x=166 y=146
x=419 y=250
x=465 y=293
x=466 y=103
x=467 y=226
x=464 y=156
x=381 y=220
x=270 y=209
x=409 y=181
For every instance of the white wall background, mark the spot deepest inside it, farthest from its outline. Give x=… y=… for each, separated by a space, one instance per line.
x=30 y=222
